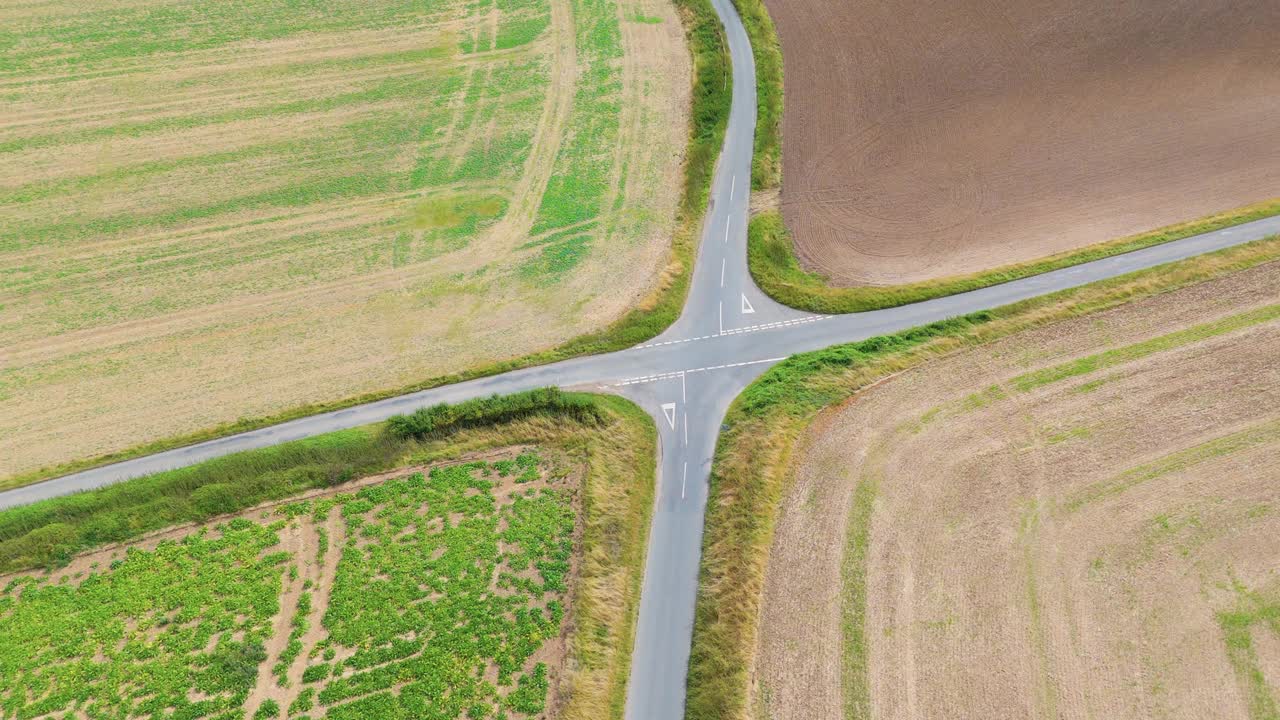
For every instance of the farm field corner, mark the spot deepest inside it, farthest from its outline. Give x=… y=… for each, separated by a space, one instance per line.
x=1050 y=139
x=493 y=573
x=1078 y=519
x=316 y=205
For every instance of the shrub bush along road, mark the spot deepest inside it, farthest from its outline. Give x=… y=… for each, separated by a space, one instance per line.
x=728 y=334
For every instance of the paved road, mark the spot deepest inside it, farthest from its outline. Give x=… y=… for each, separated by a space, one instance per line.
x=728 y=334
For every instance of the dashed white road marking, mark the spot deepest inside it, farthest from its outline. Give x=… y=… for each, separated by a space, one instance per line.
x=727 y=224
x=721 y=317
x=684 y=480
x=733 y=185
x=681 y=373
x=740 y=331
x=722 y=263
x=686 y=429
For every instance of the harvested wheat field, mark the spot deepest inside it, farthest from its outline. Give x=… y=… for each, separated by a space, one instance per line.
x=218 y=212
x=1078 y=521
x=927 y=139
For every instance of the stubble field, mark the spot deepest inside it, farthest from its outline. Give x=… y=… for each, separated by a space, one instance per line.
x=223 y=212
x=1077 y=521
x=928 y=139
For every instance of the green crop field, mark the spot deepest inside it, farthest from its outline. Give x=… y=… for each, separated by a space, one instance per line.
x=439 y=595
x=314 y=200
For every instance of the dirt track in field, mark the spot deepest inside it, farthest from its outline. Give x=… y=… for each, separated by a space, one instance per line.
x=927 y=138
x=1102 y=545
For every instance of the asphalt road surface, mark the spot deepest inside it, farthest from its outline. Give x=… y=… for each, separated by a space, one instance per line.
x=728 y=334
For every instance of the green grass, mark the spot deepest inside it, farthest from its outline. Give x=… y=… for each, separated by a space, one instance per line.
x=751 y=470
x=1253 y=611
x=853 y=606
x=771 y=257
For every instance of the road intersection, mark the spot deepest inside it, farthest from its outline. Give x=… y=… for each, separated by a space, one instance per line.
x=728 y=334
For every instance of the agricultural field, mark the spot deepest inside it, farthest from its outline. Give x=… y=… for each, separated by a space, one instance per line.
x=220 y=212
x=933 y=139
x=441 y=592
x=1079 y=520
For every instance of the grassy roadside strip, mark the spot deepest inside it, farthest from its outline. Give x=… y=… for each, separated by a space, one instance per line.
x=709 y=114
x=766 y=163
x=617 y=453
x=771 y=257
x=764 y=425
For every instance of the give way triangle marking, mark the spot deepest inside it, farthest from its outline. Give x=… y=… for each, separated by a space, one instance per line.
x=669 y=409
x=746 y=305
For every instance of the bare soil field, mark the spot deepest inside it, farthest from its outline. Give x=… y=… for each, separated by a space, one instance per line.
x=1077 y=521
x=215 y=214
x=927 y=139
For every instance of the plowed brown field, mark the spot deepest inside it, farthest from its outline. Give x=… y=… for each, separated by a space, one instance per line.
x=1077 y=521
x=927 y=138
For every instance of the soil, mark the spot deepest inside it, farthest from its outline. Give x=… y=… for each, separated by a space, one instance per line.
x=926 y=139
x=213 y=305
x=999 y=581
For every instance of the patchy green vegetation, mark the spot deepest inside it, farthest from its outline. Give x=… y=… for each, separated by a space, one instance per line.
x=156 y=628
x=442 y=594
x=765 y=422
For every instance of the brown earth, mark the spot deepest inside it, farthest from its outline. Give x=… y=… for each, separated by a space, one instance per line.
x=926 y=139
x=1102 y=545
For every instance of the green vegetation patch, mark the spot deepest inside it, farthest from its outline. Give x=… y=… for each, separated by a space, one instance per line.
x=443 y=589
x=1255 y=612
x=440 y=584
x=155 y=629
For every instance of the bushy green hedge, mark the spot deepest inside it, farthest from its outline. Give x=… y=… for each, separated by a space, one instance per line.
x=437 y=420
x=50 y=532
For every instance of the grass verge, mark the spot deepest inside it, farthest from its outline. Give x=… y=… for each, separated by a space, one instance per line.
x=766 y=163
x=753 y=457
x=617 y=448
x=710 y=113
x=772 y=259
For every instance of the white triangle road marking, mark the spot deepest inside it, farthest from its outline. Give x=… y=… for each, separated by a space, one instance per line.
x=669 y=409
x=746 y=305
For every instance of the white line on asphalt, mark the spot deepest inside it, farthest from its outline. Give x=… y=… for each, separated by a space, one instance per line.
x=733 y=186
x=727 y=223
x=684 y=479
x=722 y=262
x=741 y=330
x=686 y=429
x=681 y=373
x=721 y=317
x=682 y=397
